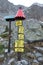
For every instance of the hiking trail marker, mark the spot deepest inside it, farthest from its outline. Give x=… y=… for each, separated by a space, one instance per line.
x=19 y=43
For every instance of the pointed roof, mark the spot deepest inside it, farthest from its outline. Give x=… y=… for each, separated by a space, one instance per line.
x=20 y=15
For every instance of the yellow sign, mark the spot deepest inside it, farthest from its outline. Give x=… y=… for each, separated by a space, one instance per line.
x=21 y=36
x=21 y=29
x=19 y=49
x=19 y=43
x=19 y=22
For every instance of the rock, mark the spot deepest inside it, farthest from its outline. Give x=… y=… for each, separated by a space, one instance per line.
x=35 y=62
x=11 y=60
x=22 y=62
x=30 y=55
x=40 y=59
x=1 y=58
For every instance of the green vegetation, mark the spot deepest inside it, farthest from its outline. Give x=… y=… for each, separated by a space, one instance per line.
x=4 y=35
x=6 y=29
x=1 y=48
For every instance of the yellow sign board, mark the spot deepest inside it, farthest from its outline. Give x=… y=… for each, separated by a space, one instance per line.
x=19 y=43
x=19 y=49
x=19 y=22
x=21 y=29
x=20 y=36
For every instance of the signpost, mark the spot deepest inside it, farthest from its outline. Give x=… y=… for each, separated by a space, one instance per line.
x=19 y=49
x=19 y=43
x=21 y=36
x=9 y=19
x=21 y=29
x=18 y=23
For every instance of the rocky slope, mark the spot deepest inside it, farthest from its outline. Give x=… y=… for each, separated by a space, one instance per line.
x=34 y=15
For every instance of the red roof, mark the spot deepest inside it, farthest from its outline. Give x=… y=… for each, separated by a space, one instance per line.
x=20 y=15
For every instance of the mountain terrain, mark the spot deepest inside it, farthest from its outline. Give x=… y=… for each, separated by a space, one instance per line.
x=33 y=23
x=33 y=32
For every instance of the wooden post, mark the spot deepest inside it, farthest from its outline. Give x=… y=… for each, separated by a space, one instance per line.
x=19 y=56
x=9 y=36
